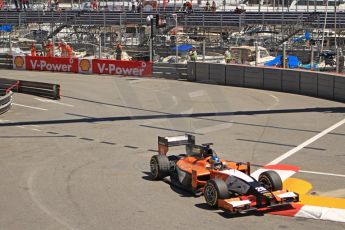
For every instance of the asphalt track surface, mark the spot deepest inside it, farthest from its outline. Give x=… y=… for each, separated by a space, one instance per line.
x=82 y=162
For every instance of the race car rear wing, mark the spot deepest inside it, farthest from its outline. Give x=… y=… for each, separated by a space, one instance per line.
x=165 y=142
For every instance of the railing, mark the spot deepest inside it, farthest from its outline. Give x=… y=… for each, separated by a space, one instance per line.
x=200 y=18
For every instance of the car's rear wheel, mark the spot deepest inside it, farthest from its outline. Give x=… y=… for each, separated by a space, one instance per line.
x=271 y=181
x=159 y=166
x=215 y=189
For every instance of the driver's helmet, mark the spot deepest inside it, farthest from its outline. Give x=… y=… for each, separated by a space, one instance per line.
x=215 y=163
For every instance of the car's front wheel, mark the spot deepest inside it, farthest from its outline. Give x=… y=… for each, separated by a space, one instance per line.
x=271 y=181
x=215 y=189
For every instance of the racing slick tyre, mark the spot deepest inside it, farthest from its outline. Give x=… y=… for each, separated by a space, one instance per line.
x=160 y=166
x=271 y=181
x=215 y=189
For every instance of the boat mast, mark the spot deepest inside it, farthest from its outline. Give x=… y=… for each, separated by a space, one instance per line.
x=324 y=26
x=335 y=24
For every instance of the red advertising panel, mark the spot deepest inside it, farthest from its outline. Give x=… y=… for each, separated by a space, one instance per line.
x=75 y=65
x=126 y=68
x=55 y=64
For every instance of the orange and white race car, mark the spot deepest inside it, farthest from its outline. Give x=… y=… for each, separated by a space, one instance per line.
x=225 y=184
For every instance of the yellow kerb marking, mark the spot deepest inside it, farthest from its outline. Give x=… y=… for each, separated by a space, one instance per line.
x=303 y=187
x=297 y=185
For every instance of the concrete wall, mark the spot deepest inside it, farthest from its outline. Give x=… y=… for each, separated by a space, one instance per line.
x=316 y=84
x=325 y=86
x=202 y=72
x=339 y=88
x=308 y=83
x=290 y=81
x=272 y=79
x=234 y=75
x=217 y=74
x=254 y=77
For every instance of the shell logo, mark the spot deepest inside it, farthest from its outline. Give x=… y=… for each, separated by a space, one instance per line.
x=85 y=65
x=19 y=61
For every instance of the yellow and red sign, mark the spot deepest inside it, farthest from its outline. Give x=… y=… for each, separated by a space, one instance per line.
x=88 y=66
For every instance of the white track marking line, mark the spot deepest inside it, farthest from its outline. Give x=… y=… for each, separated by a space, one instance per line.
x=197 y=93
x=38 y=130
x=25 y=127
x=214 y=128
x=174 y=99
x=36 y=199
x=306 y=143
x=189 y=111
x=52 y=101
x=31 y=107
x=309 y=172
x=322 y=173
x=3 y=121
x=275 y=97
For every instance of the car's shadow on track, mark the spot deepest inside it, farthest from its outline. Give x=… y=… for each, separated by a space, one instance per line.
x=228 y=215
x=179 y=190
x=147 y=176
x=182 y=192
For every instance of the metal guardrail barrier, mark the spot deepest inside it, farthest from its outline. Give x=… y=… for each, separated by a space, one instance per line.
x=8 y=84
x=5 y=101
x=41 y=89
x=170 y=71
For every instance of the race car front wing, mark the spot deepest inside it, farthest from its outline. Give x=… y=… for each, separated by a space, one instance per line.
x=244 y=204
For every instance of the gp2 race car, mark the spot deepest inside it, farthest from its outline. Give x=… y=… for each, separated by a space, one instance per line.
x=225 y=184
